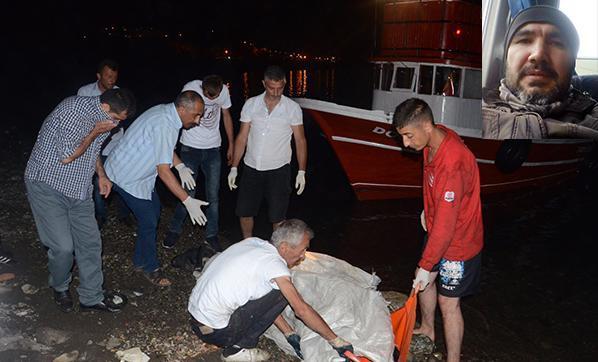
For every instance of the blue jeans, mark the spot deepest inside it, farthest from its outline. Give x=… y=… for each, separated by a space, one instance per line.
x=208 y=160
x=147 y=213
x=100 y=202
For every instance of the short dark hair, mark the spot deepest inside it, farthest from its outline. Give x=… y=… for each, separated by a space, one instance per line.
x=212 y=85
x=275 y=73
x=119 y=100
x=110 y=63
x=411 y=111
x=187 y=98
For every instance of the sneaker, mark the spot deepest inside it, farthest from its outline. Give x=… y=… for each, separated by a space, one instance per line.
x=64 y=301
x=170 y=240
x=248 y=355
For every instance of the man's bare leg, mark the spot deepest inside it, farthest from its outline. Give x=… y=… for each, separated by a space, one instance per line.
x=453 y=326
x=246 y=226
x=427 y=304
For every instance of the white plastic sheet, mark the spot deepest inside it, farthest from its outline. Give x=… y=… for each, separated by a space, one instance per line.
x=347 y=298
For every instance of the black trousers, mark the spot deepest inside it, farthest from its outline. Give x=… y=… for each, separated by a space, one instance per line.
x=247 y=323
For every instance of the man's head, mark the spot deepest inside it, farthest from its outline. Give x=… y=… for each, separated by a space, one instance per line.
x=274 y=81
x=291 y=239
x=414 y=121
x=119 y=103
x=107 y=74
x=189 y=105
x=211 y=86
x=540 y=50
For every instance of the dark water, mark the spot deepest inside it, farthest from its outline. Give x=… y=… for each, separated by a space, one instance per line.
x=538 y=296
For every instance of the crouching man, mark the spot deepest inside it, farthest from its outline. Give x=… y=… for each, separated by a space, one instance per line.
x=242 y=291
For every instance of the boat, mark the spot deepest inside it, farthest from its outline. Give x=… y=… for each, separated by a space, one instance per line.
x=431 y=49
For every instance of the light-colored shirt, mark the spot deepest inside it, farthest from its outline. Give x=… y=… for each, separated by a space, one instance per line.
x=148 y=142
x=269 y=140
x=243 y=272
x=93 y=90
x=207 y=133
x=61 y=133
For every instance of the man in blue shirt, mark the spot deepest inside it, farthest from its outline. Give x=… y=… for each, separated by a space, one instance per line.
x=147 y=151
x=58 y=179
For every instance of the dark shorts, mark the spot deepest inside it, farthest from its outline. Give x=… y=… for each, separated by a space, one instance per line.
x=457 y=278
x=273 y=185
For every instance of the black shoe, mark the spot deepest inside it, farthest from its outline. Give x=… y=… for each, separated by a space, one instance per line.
x=170 y=240
x=64 y=301
x=113 y=302
x=101 y=306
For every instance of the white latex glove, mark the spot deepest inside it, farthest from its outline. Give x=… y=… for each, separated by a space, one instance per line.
x=186 y=175
x=300 y=181
x=194 y=208
x=422 y=218
x=232 y=176
x=422 y=277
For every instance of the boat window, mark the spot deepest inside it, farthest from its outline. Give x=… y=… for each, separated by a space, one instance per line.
x=403 y=78
x=447 y=81
x=472 y=84
x=376 y=77
x=426 y=74
x=387 y=69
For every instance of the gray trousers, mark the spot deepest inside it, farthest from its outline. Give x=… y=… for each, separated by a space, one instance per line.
x=66 y=225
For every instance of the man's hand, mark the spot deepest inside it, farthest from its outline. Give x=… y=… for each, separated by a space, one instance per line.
x=232 y=176
x=103 y=126
x=105 y=186
x=194 y=208
x=422 y=218
x=422 y=278
x=341 y=346
x=295 y=342
x=300 y=181
x=186 y=175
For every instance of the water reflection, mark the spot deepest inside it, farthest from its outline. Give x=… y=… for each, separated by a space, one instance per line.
x=304 y=82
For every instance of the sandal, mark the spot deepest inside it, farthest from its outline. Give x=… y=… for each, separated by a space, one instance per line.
x=157 y=278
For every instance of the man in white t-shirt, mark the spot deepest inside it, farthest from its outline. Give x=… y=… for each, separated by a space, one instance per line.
x=200 y=150
x=107 y=75
x=243 y=290
x=267 y=123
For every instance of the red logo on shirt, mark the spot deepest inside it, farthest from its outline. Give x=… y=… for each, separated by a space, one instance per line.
x=449 y=196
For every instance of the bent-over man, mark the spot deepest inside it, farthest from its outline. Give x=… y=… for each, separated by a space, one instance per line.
x=243 y=290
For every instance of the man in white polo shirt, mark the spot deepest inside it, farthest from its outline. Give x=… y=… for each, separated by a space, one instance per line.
x=267 y=123
x=200 y=150
x=244 y=290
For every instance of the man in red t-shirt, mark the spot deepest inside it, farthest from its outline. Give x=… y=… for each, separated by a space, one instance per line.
x=452 y=216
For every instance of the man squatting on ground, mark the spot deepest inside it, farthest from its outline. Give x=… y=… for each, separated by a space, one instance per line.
x=536 y=99
x=200 y=149
x=107 y=76
x=146 y=151
x=58 y=179
x=243 y=290
x=452 y=216
x=267 y=123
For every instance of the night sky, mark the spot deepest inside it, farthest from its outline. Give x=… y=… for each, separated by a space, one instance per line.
x=52 y=48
